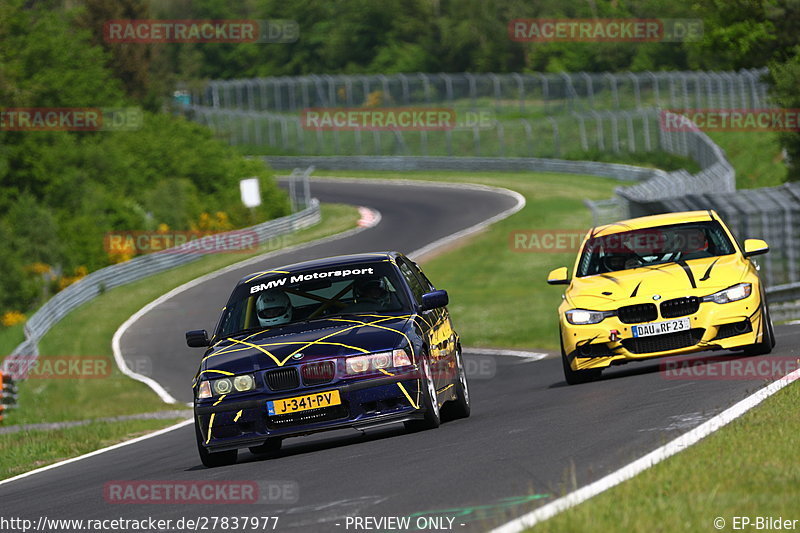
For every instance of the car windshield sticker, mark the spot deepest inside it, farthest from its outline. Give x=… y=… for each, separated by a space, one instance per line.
x=296 y=278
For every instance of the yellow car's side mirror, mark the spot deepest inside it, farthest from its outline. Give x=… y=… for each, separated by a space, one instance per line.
x=755 y=247
x=559 y=276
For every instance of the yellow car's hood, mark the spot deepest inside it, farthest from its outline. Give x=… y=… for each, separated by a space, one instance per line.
x=696 y=277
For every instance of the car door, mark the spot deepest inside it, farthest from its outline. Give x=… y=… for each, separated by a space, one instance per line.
x=438 y=328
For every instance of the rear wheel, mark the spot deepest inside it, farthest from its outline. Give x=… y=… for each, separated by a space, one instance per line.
x=430 y=401
x=576 y=377
x=271 y=445
x=768 y=336
x=215 y=459
x=460 y=407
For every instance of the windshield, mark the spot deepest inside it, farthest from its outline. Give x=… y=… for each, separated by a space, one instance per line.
x=278 y=298
x=653 y=246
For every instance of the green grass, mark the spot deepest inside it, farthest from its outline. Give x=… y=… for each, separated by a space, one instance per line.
x=28 y=450
x=749 y=468
x=10 y=337
x=499 y=297
x=756 y=156
x=87 y=331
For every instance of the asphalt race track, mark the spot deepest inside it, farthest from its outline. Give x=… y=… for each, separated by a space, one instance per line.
x=530 y=437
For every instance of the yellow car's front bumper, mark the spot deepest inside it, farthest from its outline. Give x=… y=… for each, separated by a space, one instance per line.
x=713 y=326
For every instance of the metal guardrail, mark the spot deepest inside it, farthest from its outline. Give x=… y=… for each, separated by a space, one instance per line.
x=140 y=267
x=552 y=93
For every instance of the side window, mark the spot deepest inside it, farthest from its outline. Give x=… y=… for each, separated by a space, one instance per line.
x=413 y=282
x=426 y=283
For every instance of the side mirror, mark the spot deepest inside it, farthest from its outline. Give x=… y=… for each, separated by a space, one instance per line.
x=559 y=276
x=197 y=338
x=755 y=247
x=434 y=300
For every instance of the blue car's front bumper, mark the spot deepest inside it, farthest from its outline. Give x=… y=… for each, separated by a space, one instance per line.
x=244 y=421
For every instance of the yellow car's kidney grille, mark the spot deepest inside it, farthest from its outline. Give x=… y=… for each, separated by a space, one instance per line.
x=680 y=307
x=633 y=314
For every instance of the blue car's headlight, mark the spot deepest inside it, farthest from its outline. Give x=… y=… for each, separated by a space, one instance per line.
x=585 y=316
x=731 y=294
x=218 y=387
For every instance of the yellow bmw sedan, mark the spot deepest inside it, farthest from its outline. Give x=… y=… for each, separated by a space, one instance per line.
x=659 y=286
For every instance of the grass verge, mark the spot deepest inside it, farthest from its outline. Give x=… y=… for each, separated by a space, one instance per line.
x=756 y=156
x=498 y=293
x=749 y=469
x=86 y=333
x=500 y=299
x=42 y=448
x=10 y=337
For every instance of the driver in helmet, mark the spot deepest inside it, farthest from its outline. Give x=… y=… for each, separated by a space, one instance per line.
x=273 y=308
x=371 y=291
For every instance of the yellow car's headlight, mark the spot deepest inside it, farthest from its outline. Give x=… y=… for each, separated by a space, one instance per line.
x=585 y=316
x=739 y=291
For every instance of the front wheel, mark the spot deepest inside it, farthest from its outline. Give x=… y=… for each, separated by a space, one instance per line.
x=576 y=377
x=215 y=459
x=767 y=337
x=460 y=407
x=430 y=401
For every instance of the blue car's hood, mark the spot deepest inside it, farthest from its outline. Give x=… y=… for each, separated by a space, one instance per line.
x=320 y=339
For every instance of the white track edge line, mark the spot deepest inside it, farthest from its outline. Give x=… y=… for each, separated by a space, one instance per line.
x=643 y=463
x=98 y=452
x=522 y=354
x=163 y=394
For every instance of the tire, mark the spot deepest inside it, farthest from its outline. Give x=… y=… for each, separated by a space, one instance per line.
x=209 y=459
x=460 y=407
x=271 y=445
x=576 y=377
x=768 y=338
x=430 y=401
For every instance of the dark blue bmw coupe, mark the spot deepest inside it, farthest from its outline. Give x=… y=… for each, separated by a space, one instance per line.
x=353 y=341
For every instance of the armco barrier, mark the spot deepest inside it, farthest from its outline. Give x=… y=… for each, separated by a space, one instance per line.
x=138 y=268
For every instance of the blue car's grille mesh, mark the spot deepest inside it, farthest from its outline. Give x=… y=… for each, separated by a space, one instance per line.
x=283 y=379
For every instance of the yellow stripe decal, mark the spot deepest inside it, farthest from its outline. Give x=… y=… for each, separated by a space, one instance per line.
x=375 y=325
x=217 y=372
x=238 y=416
x=414 y=405
x=210 y=423
x=220 y=399
x=259 y=348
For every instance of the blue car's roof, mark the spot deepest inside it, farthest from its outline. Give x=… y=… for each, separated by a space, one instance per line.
x=328 y=262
